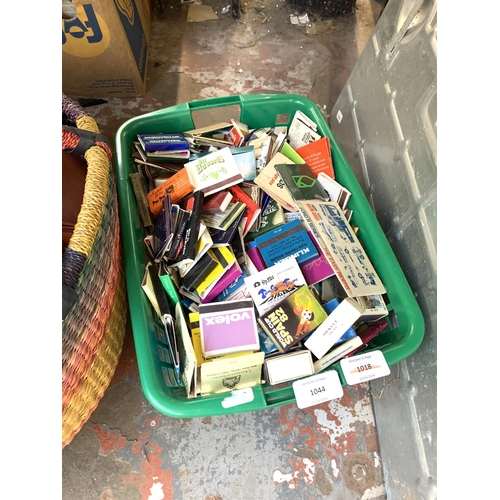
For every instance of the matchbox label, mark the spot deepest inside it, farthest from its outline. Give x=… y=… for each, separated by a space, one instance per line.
x=203 y=164
x=223 y=330
x=293 y=318
x=277 y=291
x=270 y=286
x=277 y=177
x=288 y=240
x=226 y=319
x=275 y=323
x=342 y=248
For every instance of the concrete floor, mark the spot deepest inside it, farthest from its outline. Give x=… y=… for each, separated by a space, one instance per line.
x=129 y=451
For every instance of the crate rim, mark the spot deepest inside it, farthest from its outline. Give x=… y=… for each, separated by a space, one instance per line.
x=196 y=407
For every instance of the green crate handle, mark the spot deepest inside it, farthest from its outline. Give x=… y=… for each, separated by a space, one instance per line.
x=215 y=102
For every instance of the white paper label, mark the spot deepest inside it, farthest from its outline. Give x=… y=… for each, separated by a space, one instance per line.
x=317 y=389
x=239 y=397
x=364 y=367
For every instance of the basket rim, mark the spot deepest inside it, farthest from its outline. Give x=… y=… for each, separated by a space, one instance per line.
x=98 y=158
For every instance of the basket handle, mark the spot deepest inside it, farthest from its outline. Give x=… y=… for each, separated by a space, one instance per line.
x=77 y=141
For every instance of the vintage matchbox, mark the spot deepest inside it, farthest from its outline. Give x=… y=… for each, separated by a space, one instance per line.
x=367 y=332
x=214 y=172
x=319 y=268
x=187 y=355
x=163 y=142
x=374 y=307
x=292 y=319
x=288 y=240
x=228 y=327
x=284 y=367
x=335 y=325
x=302 y=130
x=337 y=353
x=230 y=374
x=270 y=286
x=329 y=307
x=335 y=191
x=339 y=243
x=301 y=182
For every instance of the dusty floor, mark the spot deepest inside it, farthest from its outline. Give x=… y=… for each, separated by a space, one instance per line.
x=127 y=450
x=262 y=52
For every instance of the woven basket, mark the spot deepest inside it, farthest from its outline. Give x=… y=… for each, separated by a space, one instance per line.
x=92 y=269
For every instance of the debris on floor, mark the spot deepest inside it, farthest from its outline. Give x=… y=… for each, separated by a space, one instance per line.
x=198 y=13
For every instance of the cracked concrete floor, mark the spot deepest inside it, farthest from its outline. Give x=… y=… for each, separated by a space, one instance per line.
x=129 y=451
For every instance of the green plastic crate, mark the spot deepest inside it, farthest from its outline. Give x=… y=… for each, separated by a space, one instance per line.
x=397 y=342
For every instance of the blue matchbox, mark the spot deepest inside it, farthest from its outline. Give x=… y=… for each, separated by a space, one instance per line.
x=163 y=142
x=287 y=240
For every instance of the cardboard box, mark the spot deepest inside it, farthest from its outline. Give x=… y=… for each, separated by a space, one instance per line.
x=105 y=48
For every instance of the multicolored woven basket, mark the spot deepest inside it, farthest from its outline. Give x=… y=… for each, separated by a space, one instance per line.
x=92 y=272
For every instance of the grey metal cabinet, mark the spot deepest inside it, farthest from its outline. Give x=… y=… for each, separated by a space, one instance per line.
x=385 y=121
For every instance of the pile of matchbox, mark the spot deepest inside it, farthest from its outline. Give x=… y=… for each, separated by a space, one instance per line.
x=255 y=271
